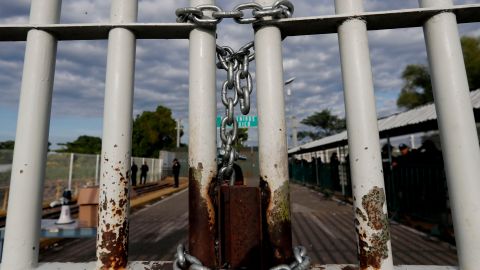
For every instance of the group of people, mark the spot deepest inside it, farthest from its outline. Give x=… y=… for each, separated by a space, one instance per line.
x=144 y=171
x=427 y=155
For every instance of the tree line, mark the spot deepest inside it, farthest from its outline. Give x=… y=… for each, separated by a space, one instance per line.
x=417 y=90
x=152 y=132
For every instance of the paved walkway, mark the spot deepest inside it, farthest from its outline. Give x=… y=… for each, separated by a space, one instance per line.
x=325 y=227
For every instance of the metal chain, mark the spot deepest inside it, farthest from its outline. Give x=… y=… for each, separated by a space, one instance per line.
x=184 y=261
x=279 y=10
x=239 y=83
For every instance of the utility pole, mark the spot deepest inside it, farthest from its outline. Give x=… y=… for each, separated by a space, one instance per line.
x=294 y=131
x=289 y=111
x=179 y=126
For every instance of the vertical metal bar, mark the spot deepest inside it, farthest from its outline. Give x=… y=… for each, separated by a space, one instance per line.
x=179 y=121
x=97 y=165
x=153 y=171
x=458 y=134
x=70 y=171
x=316 y=169
x=202 y=142
x=29 y=158
x=5 y=198
x=374 y=248
x=112 y=235
x=273 y=163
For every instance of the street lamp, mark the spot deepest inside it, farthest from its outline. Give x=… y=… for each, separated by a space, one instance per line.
x=293 y=118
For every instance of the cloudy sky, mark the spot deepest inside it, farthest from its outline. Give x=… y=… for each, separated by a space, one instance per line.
x=161 y=76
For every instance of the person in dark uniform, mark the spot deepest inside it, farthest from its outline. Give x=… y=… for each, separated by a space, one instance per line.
x=134 y=170
x=143 y=173
x=176 y=171
x=335 y=172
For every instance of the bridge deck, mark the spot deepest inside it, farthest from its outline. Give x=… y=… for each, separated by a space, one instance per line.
x=323 y=226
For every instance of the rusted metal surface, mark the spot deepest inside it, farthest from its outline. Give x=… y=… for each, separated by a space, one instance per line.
x=349 y=267
x=371 y=225
x=240 y=227
x=277 y=226
x=112 y=237
x=201 y=219
x=272 y=144
x=202 y=150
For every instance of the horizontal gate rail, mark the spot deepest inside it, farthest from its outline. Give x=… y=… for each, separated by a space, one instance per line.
x=314 y=25
x=380 y=20
x=95 y=31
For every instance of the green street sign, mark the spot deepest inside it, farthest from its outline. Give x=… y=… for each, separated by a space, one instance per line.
x=244 y=121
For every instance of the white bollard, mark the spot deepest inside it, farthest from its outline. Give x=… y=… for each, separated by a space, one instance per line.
x=458 y=133
x=369 y=199
x=29 y=159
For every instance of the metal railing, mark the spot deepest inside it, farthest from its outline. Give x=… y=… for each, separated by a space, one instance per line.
x=413 y=192
x=439 y=20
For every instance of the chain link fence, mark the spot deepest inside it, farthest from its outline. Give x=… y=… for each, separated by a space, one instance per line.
x=72 y=171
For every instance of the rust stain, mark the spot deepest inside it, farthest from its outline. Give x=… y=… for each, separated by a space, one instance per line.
x=240 y=237
x=360 y=214
x=112 y=241
x=373 y=249
x=201 y=218
x=277 y=226
x=104 y=204
x=113 y=245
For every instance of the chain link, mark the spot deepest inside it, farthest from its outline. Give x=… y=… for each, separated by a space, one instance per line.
x=184 y=261
x=240 y=14
x=239 y=84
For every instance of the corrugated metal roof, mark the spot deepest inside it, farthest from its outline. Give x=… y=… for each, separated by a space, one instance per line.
x=412 y=117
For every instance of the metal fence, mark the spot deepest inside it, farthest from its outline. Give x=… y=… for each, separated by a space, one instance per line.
x=414 y=191
x=70 y=171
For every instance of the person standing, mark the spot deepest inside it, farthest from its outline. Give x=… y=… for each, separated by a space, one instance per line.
x=143 y=173
x=334 y=171
x=176 y=171
x=134 y=170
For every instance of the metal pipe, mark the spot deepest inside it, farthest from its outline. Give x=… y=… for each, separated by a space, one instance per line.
x=371 y=220
x=31 y=142
x=179 y=121
x=272 y=141
x=202 y=145
x=152 y=178
x=458 y=133
x=316 y=170
x=70 y=171
x=112 y=233
x=97 y=165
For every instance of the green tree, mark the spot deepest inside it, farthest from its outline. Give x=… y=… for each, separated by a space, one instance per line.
x=417 y=89
x=471 y=56
x=83 y=145
x=8 y=145
x=325 y=124
x=153 y=131
x=242 y=137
